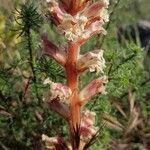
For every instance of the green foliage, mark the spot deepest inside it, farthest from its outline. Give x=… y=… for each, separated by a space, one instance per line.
x=28 y=18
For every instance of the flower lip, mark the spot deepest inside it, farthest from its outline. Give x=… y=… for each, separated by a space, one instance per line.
x=93 y=61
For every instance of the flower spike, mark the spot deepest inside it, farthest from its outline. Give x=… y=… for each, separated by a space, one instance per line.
x=78 y=20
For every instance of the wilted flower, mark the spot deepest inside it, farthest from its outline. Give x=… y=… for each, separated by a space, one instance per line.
x=93 y=61
x=94 y=87
x=87 y=128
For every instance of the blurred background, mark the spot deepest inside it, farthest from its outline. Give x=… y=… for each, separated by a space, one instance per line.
x=123 y=114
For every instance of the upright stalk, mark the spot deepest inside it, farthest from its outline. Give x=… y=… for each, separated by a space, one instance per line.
x=72 y=82
x=31 y=55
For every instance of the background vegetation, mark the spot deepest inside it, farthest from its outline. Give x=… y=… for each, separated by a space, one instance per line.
x=123 y=114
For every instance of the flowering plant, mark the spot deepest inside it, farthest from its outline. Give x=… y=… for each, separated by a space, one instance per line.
x=78 y=20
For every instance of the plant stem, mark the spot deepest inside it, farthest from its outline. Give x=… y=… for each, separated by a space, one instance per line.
x=72 y=82
x=31 y=55
x=28 y=35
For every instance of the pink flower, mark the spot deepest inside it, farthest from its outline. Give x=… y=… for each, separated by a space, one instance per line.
x=57 y=90
x=53 y=51
x=59 y=107
x=94 y=87
x=88 y=117
x=57 y=98
x=93 y=61
x=87 y=128
x=81 y=25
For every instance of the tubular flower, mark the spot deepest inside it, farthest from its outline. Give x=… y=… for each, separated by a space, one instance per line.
x=87 y=128
x=53 y=51
x=82 y=24
x=57 y=90
x=58 y=98
x=94 y=87
x=93 y=61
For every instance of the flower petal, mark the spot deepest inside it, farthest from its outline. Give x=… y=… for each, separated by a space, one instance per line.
x=88 y=117
x=94 y=28
x=73 y=27
x=58 y=12
x=51 y=141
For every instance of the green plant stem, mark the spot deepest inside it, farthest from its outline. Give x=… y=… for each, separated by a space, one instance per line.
x=34 y=79
x=31 y=55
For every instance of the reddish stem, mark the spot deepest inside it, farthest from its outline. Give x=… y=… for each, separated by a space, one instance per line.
x=72 y=82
